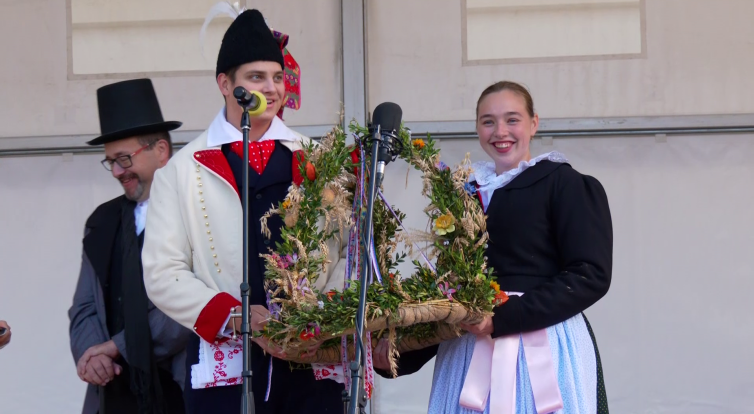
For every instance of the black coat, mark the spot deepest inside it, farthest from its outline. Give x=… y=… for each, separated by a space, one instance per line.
x=96 y=316
x=551 y=238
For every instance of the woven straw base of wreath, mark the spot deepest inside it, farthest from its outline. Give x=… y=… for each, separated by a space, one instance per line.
x=333 y=355
x=445 y=311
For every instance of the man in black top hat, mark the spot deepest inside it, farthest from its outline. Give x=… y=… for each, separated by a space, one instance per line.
x=129 y=352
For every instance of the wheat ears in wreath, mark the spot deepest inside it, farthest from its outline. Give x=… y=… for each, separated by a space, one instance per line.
x=326 y=204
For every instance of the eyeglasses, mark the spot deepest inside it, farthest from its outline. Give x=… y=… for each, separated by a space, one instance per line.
x=123 y=161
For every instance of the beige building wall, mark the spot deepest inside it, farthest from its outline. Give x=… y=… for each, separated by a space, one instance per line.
x=698 y=61
x=521 y=30
x=38 y=98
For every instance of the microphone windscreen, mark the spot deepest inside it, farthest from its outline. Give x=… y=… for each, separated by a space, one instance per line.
x=388 y=116
x=258 y=103
x=241 y=93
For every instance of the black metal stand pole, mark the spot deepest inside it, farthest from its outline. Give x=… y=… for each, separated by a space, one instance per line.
x=357 y=399
x=247 y=402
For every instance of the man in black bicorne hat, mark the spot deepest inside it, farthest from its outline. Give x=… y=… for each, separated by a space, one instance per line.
x=193 y=252
x=129 y=352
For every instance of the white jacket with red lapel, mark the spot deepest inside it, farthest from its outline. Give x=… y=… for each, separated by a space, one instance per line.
x=193 y=251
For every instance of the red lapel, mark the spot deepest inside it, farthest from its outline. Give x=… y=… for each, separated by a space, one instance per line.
x=215 y=161
x=479 y=195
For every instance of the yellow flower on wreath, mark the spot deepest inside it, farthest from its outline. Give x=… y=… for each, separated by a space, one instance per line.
x=444 y=224
x=286 y=204
x=495 y=286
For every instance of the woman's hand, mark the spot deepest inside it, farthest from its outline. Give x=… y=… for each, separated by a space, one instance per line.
x=484 y=327
x=381 y=355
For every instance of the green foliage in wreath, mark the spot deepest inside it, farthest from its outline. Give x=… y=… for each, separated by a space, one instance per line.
x=318 y=214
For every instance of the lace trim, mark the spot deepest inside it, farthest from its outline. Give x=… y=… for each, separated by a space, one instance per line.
x=484 y=173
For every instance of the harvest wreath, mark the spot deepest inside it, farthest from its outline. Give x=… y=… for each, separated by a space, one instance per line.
x=327 y=201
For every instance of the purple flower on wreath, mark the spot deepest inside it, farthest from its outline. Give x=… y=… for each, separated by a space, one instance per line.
x=280 y=261
x=275 y=310
x=273 y=307
x=303 y=285
x=442 y=166
x=447 y=290
x=470 y=189
x=315 y=328
x=286 y=261
x=291 y=259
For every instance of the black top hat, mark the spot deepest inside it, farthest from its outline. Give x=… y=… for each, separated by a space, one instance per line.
x=128 y=109
x=248 y=39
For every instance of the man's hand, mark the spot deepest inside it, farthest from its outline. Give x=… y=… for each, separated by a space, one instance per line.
x=107 y=349
x=5 y=339
x=100 y=370
x=259 y=316
x=482 y=328
x=269 y=347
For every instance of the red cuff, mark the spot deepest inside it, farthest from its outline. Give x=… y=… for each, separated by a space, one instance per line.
x=213 y=316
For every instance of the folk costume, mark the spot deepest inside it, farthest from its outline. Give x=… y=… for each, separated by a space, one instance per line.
x=110 y=301
x=550 y=246
x=193 y=254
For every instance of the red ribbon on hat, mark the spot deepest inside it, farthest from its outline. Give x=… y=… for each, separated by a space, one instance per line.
x=292 y=73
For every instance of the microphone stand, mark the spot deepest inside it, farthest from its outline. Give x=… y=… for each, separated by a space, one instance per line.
x=247 y=401
x=357 y=399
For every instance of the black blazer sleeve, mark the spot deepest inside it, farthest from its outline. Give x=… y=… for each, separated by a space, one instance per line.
x=411 y=361
x=582 y=231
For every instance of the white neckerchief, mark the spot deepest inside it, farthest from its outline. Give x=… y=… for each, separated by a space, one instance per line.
x=484 y=174
x=221 y=132
x=140 y=216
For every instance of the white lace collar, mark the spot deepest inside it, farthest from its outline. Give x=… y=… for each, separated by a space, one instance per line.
x=485 y=176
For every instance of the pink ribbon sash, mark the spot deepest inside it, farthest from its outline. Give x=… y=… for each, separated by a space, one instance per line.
x=492 y=373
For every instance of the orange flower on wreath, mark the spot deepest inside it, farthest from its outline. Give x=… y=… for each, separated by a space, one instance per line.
x=391 y=280
x=500 y=296
x=311 y=172
x=418 y=143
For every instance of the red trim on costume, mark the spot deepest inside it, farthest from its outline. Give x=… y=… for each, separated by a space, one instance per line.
x=298 y=158
x=215 y=161
x=479 y=195
x=213 y=316
x=355 y=159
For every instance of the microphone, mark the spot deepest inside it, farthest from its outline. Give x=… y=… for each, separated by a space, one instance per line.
x=386 y=122
x=385 y=147
x=253 y=102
